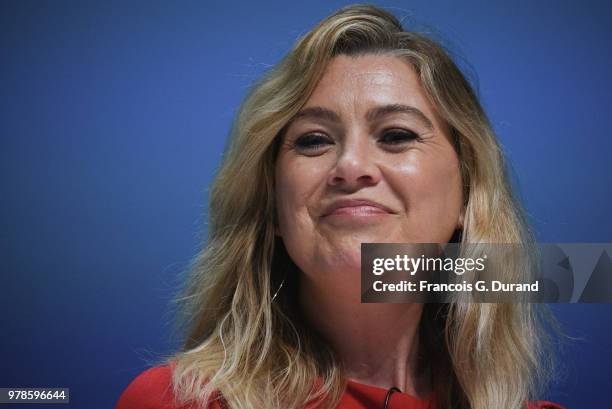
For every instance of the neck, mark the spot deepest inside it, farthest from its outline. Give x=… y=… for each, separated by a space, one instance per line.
x=378 y=344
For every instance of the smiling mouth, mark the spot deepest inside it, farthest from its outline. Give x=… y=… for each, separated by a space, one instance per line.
x=361 y=208
x=357 y=211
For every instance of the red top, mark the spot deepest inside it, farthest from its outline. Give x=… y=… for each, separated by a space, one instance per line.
x=152 y=389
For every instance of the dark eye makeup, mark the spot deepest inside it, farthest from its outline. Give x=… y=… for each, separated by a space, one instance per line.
x=393 y=138
x=312 y=141
x=398 y=136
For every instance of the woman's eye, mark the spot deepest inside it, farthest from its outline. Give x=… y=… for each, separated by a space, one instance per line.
x=312 y=142
x=398 y=136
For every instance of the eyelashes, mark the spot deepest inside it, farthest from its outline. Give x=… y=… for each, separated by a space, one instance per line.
x=391 y=139
x=398 y=136
x=312 y=141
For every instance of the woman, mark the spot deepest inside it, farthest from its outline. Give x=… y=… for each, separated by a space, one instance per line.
x=362 y=133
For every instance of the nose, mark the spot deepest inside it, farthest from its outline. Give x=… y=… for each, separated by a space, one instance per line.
x=356 y=165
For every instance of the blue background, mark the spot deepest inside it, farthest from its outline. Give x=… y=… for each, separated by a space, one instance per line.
x=113 y=117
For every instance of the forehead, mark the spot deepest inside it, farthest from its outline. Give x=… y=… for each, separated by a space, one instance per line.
x=357 y=83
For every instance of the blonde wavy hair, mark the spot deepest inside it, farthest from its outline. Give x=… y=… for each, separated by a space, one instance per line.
x=254 y=350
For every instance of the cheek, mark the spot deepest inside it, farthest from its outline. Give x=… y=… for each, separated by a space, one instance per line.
x=431 y=189
x=298 y=181
x=299 y=185
x=442 y=179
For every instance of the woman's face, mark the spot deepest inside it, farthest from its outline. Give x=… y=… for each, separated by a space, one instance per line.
x=366 y=160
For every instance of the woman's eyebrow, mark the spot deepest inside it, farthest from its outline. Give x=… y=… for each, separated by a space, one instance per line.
x=317 y=113
x=382 y=110
x=372 y=115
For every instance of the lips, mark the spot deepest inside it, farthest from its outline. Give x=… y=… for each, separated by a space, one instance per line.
x=355 y=207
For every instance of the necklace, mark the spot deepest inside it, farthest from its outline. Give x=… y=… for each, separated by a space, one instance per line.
x=389 y=393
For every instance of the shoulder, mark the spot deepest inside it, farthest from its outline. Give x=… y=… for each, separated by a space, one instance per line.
x=541 y=404
x=152 y=389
